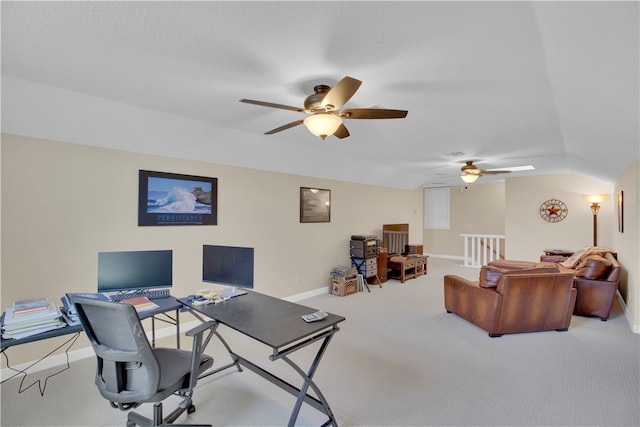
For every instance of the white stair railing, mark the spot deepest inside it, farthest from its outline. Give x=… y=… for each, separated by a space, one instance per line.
x=480 y=249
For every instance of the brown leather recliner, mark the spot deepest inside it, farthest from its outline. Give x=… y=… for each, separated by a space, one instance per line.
x=504 y=302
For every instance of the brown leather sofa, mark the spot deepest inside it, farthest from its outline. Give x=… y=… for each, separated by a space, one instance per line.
x=512 y=301
x=596 y=277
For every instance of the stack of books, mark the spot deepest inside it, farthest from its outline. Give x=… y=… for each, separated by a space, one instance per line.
x=30 y=317
x=140 y=303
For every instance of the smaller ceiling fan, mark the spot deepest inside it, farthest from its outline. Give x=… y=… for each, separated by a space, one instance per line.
x=323 y=107
x=471 y=173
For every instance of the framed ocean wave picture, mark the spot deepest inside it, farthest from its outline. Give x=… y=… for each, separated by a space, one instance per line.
x=176 y=199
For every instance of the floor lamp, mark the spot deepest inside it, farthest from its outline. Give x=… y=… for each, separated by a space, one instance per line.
x=595 y=201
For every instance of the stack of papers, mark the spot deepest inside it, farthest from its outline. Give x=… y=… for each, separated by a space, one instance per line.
x=25 y=324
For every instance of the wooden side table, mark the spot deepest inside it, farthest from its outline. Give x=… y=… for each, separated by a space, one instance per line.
x=555 y=255
x=558 y=252
x=421 y=264
x=407 y=267
x=382 y=265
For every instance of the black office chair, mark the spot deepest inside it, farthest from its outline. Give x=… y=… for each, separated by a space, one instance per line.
x=130 y=372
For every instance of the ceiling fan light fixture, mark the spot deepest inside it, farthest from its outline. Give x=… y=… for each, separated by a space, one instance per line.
x=322 y=124
x=469 y=178
x=470 y=168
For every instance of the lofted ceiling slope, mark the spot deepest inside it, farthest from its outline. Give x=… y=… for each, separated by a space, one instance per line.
x=551 y=84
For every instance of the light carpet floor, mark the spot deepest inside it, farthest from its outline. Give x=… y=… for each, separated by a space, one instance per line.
x=398 y=360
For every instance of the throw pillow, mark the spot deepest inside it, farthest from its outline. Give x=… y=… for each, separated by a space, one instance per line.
x=573 y=259
x=593 y=267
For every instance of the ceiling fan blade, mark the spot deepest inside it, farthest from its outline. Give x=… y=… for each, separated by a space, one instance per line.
x=272 y=105
x=494 y=172
x=373 y=113
x=342 y=132
x=340 y=93
x=284 y=127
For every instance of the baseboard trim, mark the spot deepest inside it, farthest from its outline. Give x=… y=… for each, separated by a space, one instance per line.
x=453 y=257
x=308 y=294
x=634 y=328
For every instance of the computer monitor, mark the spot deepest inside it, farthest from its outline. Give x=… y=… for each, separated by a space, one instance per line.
x=134 y=270
x=228 y=265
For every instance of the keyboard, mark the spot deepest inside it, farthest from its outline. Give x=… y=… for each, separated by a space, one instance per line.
x=156 y=294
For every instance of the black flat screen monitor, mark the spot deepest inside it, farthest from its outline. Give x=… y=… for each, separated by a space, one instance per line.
x=133 y=270
x=228 y=265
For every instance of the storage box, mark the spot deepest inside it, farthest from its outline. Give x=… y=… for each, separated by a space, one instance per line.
x=413 y=249
x=343 y=288
x=368 y=267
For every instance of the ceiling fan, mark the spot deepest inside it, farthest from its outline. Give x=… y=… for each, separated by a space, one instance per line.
x=323 y=107
x=470 y=172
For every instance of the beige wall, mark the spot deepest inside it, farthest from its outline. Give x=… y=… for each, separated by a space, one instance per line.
x=475 y=209
x=63 y=203
x=627 y=243
x=527 y=234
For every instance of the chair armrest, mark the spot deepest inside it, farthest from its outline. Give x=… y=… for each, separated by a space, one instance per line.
x=200 y=328
x=199 y=344
x=466 y=299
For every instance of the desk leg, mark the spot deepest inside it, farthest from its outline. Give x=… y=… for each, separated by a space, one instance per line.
x=320 y=403
x=308 y=382
x=177 y=328
x=234 y=357
x=171 y=321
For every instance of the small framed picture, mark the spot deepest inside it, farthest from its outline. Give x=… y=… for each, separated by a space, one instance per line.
x=315 y=205
x=175 y=199
x=621 y=211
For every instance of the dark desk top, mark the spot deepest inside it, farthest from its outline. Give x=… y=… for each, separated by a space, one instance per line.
x=164 y=304
x=272 y=321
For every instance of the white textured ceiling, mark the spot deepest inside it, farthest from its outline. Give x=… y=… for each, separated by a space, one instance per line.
x=552 y=84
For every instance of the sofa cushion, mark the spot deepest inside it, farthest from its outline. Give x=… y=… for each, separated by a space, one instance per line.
x=593 y=267
x=490 y=276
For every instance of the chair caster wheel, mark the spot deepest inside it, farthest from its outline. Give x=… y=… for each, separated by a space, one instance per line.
x=191 y=409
